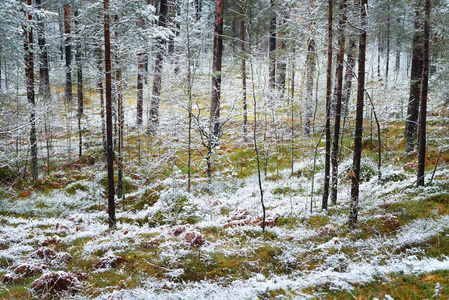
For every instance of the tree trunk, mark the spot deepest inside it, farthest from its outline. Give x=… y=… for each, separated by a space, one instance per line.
x=157 y=80
x=397 y=66
x=29 y=74
x=110 y=153
x=216 y=69
x=44 y=78
x=423 y=102
x=387 y=68
x=349 y=74
x=335 y=148
x=245 y=107
x=411 y=124
x=272 y=53
x=140 y=71
x=68 y=51
x=355 y=174
x=311 y=56
x=120 y=121
x=101 y=91
x=79 y=68
x=281 y=62
x=327 y=127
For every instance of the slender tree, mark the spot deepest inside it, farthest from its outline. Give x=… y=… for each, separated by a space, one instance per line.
x=335 y=147
x=216 y=69
x=44 y=76
x=355 y=172
x=328 y=106
x=272 y=42
x=423 y=100
x=29 y=75
x=245 y=107
x=68 y=50
x=140 y=71
x=157 y=80
x=110 y=153
x=411 y=123
x=310 y=65
x=79 y=72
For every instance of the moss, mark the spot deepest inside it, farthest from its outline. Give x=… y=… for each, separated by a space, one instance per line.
x=398 y=286
x=77 y=186
x=175 y=211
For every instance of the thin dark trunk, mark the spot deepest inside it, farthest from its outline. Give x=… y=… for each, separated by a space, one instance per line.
x=328 y=106
x=272 y=53
x=355 y=174
x=398 y=50
x=216 y=69
x=110 y=154
x=120 y=121
x=423 y=101
x=349 y=75
x=387 y=68
x=102 y=114
x=335 y=148
x=411 y=124
x=281 y=63
x=68 y=51
x=29 y=74
x=245 y=107
x=79 y=68
x=44 y=78
x=140 y=71
x=157 y=80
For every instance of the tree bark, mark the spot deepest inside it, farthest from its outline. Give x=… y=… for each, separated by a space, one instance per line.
x=387 y=67
x=157 y=80
x=272 y=53
x=311 y=63
x=423 y=101
x=216 y=69
x=349 y=75
x=411 y=124
x=140 y=71
x=79 y=68
x=335 y=148
x=327 y=127
x=245 y=107
x=110 y=153
x=355 y=174
x=44 y=78
x=102 y=113
x=68 y=51
x=29 y=75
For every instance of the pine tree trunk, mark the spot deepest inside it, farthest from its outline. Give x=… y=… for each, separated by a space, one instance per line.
x=102 y=113
x=423 y=101
x=311 y=56
x=327 y=127
x=355 y=174
x=245 y=107
x=68 y=51
x=140 y=71
x=216 y=69
x=110 y=153
x=272 y=53
x=335 y=147
x=79 y=68
x=44 y=77
x=387 y=68
x=157 y=80
x=411 y=124
x=349 y=75
x=29 y=74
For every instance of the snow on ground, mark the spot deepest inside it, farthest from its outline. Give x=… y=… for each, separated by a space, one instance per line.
x=337 y=269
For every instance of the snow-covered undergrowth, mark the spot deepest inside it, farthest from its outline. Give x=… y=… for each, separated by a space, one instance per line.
x=222 y=252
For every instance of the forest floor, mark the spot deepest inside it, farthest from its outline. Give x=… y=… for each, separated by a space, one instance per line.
x=208 y=243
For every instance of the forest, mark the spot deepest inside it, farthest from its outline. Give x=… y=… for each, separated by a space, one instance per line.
x=227 y=149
